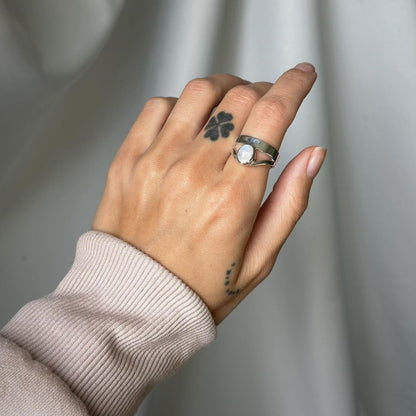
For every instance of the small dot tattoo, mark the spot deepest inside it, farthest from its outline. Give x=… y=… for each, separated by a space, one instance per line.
x=227 y=281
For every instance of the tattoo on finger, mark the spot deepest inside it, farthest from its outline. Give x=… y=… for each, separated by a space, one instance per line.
x=219 y=126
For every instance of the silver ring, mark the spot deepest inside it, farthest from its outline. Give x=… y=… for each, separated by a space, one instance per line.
x=246 y=153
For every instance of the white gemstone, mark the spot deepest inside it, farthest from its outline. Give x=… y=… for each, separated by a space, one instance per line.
x=245 y=154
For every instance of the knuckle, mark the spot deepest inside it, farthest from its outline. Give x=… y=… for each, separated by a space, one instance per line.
x=202 y=86
x=116 y=173
x=146 y=172
x=274 y=110
x=158 y=103
x=148 y=163
x=182 y=175
x=143 y=164
x=245 y=94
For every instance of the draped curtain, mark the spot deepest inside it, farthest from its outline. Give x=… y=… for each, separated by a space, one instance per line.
x=332 y=330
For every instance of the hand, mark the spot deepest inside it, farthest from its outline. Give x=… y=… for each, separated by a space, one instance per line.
x=175 y=191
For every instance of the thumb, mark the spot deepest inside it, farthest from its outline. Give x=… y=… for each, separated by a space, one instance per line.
x=279 y=214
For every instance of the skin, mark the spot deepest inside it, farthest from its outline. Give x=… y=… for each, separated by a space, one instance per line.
x=183 y=199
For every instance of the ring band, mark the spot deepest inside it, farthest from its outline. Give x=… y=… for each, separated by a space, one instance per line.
x=246 y=153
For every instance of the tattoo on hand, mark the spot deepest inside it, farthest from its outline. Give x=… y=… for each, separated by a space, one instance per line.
x=227 y=282
x=219 y=126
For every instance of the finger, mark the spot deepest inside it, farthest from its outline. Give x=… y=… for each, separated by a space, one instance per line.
x=269 y=119
x=217 y=138
x=194 y=106
x=279 y=214
x=146 y=127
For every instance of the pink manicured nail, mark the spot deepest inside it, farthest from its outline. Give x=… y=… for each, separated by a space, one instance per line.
x=305 y=67
x=315 y=161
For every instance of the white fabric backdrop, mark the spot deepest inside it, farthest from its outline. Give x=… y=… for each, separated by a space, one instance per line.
x=332 y=330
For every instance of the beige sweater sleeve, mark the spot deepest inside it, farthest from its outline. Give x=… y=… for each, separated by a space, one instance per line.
x=118 y=323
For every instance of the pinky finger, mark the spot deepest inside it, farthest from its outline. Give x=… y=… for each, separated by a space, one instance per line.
x=146 y=127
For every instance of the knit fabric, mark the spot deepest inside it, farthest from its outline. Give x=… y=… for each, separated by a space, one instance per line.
x=118 y=323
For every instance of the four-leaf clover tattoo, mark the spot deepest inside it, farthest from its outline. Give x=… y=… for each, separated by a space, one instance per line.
x=219 y=125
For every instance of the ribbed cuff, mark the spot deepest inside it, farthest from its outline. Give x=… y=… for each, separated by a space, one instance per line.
x=118 y=323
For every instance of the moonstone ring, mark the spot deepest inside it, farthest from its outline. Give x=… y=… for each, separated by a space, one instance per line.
x=246 y=153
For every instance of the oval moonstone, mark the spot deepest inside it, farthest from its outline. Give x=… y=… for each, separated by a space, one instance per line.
x=245 y=154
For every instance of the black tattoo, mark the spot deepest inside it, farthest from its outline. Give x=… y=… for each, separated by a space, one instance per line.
x=219 y=126
x=227 y=282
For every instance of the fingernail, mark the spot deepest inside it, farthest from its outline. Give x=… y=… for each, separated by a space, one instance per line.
x=315 y=161
x=305 y=67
